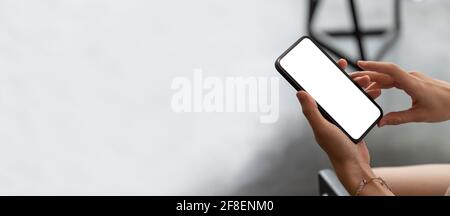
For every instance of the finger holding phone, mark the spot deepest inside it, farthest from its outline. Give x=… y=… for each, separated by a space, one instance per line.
x=430 y=98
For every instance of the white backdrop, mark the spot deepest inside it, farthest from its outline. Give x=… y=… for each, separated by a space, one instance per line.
x=85 y=93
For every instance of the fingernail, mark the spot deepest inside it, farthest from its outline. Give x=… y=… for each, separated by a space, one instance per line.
x=361 y=63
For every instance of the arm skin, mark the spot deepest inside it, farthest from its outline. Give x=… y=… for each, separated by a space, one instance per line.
x=430 y=103
x=418 y=180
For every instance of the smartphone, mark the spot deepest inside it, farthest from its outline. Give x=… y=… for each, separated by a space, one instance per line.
x=340 y=100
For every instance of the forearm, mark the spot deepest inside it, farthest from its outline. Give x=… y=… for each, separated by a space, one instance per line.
x=417 y=180
x=351 y=174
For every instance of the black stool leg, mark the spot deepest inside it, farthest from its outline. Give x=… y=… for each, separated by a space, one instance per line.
x=357 y=31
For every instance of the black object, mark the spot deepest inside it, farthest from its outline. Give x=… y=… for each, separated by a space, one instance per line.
x=356 y=32
x=298 y=87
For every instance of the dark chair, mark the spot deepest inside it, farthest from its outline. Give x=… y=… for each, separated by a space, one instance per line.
x=357 y=33
x=329 y=184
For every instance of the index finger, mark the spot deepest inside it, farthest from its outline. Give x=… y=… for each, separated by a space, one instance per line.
x=382 y=67
x=383 y=80
x=399 y=75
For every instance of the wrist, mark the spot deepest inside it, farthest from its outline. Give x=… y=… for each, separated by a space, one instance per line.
x=353 y=168
x=352 y=172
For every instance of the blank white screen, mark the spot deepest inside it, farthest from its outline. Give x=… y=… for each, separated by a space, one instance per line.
x=331 y=89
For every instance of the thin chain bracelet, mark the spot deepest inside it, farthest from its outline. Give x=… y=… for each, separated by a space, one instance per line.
x=364 y=182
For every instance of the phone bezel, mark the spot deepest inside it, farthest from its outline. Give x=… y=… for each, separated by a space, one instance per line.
x=298 y=87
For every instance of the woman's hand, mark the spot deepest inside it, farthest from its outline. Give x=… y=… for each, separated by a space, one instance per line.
x=430 y=97
x=339 y=148
x=351 y=162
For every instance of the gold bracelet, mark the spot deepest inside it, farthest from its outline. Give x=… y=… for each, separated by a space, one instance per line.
x=364 y=182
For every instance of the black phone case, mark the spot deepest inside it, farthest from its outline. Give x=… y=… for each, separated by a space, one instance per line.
x=324 y=113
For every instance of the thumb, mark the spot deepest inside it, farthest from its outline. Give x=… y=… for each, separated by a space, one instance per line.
x=310 y=110
x=400 y=117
